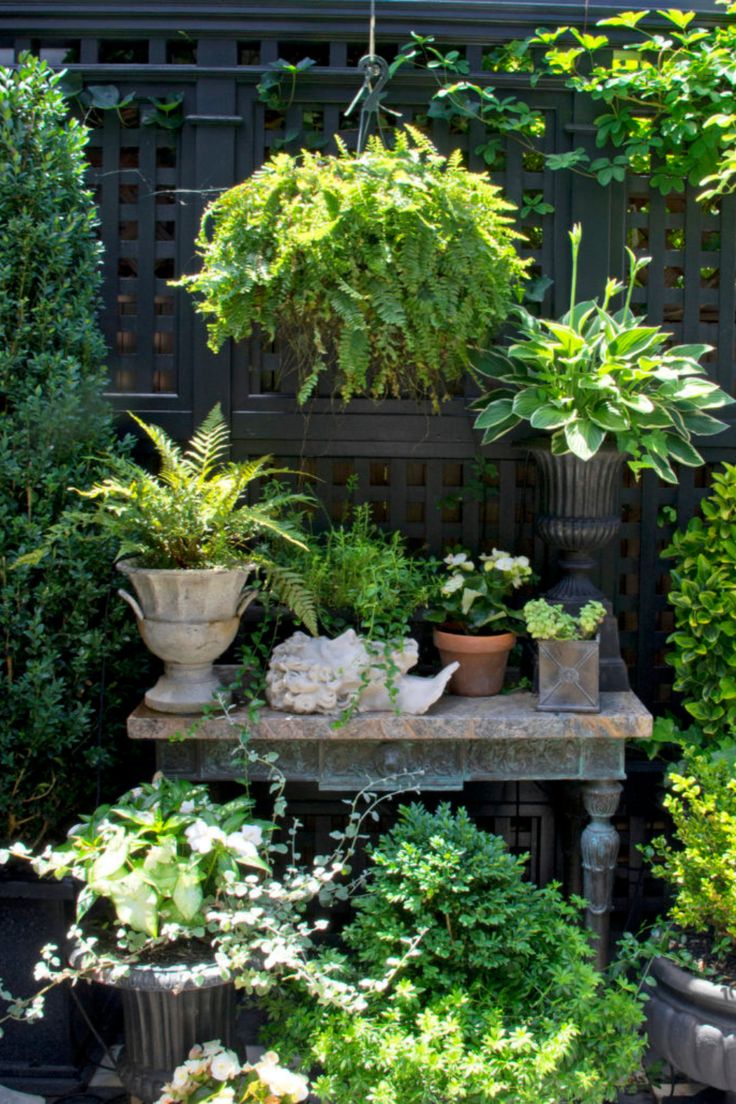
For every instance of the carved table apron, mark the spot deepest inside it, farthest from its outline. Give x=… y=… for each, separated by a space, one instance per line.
x=460 y=740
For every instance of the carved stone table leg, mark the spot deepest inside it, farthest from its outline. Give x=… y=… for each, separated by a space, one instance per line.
x=599 y=847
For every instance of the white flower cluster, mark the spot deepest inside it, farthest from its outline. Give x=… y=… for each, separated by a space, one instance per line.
x=202 y=837
x=210 y=1066
x=517 y=568
x=281 y=1082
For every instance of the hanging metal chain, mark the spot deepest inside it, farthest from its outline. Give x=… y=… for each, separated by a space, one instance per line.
x=375 y=76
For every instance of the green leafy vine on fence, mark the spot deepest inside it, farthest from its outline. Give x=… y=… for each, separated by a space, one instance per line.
x=668 y=98
x=164 y=112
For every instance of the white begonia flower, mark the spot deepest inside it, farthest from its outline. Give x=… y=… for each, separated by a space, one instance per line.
x=214 y=1046
x=180 y=1080
x=187 y=806
x=225 y=1065
x=202 y=837
x=504 y=563
x=455 y=582
x=455 y=559
x=280 y=1081
x=195 y=1066
x=225 y=1095
x=253 y=833
x=246 y=840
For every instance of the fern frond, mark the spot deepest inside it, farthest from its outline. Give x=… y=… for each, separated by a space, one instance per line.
x=209 y=444
x=258 y=518
x=289 y=588
x=169 y=453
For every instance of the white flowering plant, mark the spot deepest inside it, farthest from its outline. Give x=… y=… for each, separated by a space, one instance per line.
x=166 y=863
x=470 y=597
x=212 y=1074
x=158 y=860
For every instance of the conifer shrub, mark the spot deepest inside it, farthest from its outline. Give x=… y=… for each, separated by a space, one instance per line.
x=60 y=642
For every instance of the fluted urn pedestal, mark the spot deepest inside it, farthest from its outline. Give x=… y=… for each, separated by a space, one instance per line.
x=579 y=514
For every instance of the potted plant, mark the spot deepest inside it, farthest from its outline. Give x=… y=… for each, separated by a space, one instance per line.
x=476 y=985
x=189 y=541
x=604 y=386
x=364 y=578
x=212 y=1074
x=476 y=625
x=360 y=263
x=150 y=868
x=691 y=1011
x=568 y=655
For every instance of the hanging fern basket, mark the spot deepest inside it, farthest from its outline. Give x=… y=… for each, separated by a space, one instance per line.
x=386 y=268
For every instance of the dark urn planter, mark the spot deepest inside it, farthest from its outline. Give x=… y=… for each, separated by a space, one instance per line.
x=165 y=1012
x=48 y=1056
x=568 y=676
x=579 y=514
x=691 y=1023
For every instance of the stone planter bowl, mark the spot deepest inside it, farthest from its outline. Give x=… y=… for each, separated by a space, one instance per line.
x=691 y=1023
x=187 y=618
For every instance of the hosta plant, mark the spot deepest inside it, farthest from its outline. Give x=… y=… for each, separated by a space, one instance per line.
x=600 y=375
x=362 y=263
x=472 y=599
x=550 y=621
x=212 y=1074
x=157 y=860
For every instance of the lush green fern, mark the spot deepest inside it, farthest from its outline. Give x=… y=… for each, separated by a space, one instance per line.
x=194 y=513
x=390 y=266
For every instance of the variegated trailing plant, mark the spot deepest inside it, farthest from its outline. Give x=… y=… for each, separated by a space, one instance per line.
x=597 y=375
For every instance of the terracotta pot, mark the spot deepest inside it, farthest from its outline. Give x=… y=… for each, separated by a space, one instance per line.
x=482 y=661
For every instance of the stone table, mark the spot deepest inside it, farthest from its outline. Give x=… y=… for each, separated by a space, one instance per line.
x=460 y=740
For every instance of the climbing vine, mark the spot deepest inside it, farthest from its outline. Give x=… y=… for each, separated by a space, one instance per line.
x=667 y=94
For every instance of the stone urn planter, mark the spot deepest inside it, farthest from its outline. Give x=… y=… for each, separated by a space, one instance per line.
x=578 y=513
x=482 y=661
x=187 y=618
x=569 y=676
x=166 y=1010
x=691 y=1023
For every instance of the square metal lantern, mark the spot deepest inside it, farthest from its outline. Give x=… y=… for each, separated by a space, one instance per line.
x=568 y=676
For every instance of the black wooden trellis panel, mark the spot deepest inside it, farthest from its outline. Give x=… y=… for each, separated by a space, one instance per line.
x=152 y=187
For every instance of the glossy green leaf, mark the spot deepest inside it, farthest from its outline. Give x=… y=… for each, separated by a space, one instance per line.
x=584 y=438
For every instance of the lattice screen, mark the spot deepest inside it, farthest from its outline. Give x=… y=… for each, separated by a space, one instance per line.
x=414 y=467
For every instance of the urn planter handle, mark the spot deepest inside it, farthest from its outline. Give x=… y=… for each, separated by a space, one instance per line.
x=132 y=603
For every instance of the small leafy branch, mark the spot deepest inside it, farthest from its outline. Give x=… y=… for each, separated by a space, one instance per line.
x=164 y=112
x=277 y=87
x=668 y=96
x=669 y=104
